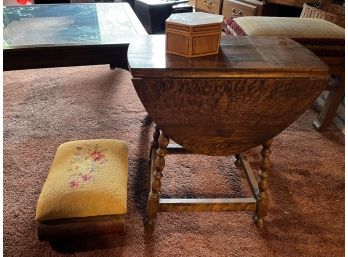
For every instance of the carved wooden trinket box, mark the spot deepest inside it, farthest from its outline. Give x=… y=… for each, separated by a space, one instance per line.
x=193 y=34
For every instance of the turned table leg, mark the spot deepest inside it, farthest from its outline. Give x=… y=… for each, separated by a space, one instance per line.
x=159 y=163
x=262 y=204
x=153 y=155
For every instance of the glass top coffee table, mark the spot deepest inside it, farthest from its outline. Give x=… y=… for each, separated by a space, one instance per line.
x=55 y=35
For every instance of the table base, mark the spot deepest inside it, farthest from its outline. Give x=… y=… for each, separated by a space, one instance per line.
x=259 y=202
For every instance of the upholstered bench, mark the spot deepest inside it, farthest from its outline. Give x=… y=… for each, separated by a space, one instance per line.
x=85 y=192
x=322 y=37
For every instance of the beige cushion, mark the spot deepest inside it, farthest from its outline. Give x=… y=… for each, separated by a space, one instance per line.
x=289 y=27
x=87 y=178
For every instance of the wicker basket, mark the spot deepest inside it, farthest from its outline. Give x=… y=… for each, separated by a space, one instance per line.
x=330 y=12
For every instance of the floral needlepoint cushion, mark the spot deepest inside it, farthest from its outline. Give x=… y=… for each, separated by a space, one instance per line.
x=87 y=178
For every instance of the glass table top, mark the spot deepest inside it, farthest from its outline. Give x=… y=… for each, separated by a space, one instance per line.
x=69 y=24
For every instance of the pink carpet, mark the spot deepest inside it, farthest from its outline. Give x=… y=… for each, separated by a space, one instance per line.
x=44 y=108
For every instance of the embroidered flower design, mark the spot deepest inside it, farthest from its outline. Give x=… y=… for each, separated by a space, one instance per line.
x=97 y=155
x=87 y=176
x=86 y=161
x=74 y=182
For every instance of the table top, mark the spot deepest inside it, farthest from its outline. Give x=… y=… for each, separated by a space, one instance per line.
x=69 y=25
x=238 y=57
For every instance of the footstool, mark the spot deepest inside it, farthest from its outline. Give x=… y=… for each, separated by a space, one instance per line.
x=324 y=38
x=85 y=192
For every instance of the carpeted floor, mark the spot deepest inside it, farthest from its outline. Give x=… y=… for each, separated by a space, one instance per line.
x=44 y=108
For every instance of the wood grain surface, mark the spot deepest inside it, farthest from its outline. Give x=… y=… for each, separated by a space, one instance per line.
x=238 y=57
x=228 y=103
x=225 y=116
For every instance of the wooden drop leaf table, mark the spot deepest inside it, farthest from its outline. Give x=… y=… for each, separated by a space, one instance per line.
x=223 y=105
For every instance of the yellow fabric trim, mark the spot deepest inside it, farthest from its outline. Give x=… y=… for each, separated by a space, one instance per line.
x=87 y=178
x=289 y=27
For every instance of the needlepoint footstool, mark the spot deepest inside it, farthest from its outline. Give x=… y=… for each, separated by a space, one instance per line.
x=85 y=192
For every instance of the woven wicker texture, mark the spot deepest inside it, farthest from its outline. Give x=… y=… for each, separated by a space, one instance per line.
x=330 y=12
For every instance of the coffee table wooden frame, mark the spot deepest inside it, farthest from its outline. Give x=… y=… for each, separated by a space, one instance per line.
x=114 y=52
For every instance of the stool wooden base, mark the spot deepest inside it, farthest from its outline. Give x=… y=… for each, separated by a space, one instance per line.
x=77 y=227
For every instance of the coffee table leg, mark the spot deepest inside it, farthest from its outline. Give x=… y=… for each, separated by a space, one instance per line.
x=159 y=163
x=262 y=204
